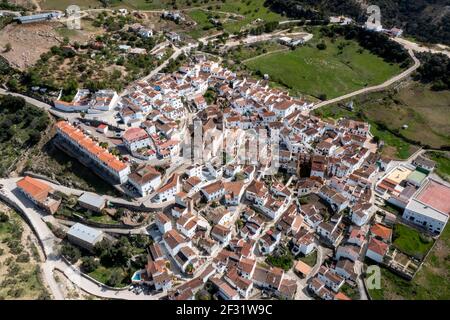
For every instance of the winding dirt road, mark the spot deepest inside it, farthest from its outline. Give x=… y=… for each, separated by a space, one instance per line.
x=379 y=87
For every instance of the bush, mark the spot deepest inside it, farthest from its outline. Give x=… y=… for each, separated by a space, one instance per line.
x=14 y=246
x=115 y=279
x=89 y=264
x=15 y=292
x=71 y=253
x=321 y=46
x=23 y=258
x=4 y=217
x=60 y=233
x=424 y=238
x=284 y=261
x=44 y=296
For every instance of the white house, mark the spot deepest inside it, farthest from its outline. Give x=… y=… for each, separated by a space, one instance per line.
x=303 y=242
x=163 y=223
x=187 y=225
x=145 y=179
x=376 y=250
x=233 y=192
x=214 y=191
x=330 y=279
x=221 y=233
x=136 y=138
x=168 y=191
x=361 y=212
x=174 y=241
x=430 y=206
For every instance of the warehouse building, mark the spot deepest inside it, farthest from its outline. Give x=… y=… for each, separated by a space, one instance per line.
x=430 y=206
x=84 y=236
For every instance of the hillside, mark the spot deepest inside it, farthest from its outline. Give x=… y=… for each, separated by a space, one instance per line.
x=425 y=20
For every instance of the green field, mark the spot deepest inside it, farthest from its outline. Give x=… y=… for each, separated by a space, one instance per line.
x=201 y=17
x=103 y=275
x=351 y=292
x=104 y=219
x=63 y=4
x=242 y=53
x=310 y=259
x=432 y=282
x=244 y=12
x=341 y=68
x=410 y=241
x=250 y=9
x=234 y=15
x=425 y=112
x=442 y=163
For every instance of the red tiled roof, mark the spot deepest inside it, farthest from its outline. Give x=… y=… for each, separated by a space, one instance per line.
x=381 y=231
x=378 y=247
x=35 y=188
x=90 y=146
x=135 y=134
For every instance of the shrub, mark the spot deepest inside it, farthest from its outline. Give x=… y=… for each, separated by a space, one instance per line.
x=115 y=279
x=89 y=264
x=70 y=252
x=321 y=46
x=4 y=217
x=23 y=257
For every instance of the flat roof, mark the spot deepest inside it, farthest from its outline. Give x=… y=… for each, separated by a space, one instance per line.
x=399 y=174
x=84 y=233
x=436 y=195
x=92 y=199
x=38 y=16
x=427 y=211
x=417 y=177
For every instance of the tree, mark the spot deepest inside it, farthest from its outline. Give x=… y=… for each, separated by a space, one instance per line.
x=104 y=145
x=69 y=90
x=7 y=47
x=70 y=252
x=321 y=46
x=89 y=264
x=202 y=295
x=114 y=279
x=270 y=26
x=3 y=217
x=189 y=268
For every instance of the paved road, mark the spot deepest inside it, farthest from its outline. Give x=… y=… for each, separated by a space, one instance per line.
x=42 y=105
x=265 y=37
x=53 y=260
x=380 y=87
x=9 y=12
x=360 y=281
x=418 y=48
x=48 y=240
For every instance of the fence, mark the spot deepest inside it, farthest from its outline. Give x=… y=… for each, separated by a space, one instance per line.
x=80 y=273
